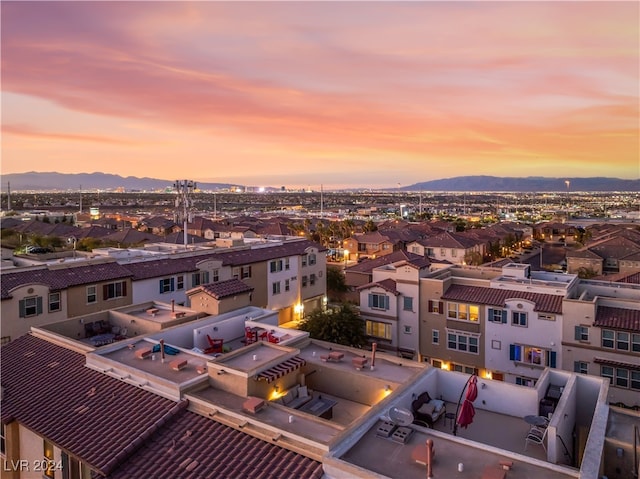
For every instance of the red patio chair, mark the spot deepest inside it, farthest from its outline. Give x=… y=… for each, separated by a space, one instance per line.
x=215 y=345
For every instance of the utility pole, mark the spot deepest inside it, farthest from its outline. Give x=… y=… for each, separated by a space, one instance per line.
x=8 y=196
x=184 y=188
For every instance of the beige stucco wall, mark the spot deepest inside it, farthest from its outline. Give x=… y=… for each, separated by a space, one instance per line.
x=77 y=299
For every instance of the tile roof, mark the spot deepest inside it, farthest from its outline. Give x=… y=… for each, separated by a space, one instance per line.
x=194 y=447
x=162 y=267
x=132 y=236
x=256 y=255
x=548 y=303
x=178 y=238
x=619 y=364
x=90 y=415
x=223 y=289
x=451 y=240
x=386 y=284
x=369 y=264
x=618 y=318
x=60 y=278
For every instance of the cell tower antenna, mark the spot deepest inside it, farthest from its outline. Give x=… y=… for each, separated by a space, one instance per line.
x=184 y=189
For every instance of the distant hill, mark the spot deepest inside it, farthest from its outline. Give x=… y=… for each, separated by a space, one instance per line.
x=52 y=181
x=528 y=184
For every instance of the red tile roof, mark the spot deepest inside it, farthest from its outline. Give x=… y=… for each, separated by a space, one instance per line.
x=548 y=303
x=619 y=364
x=61 y=278
x=122 y=431
x=386 y=284
x=48 y=389
x=617 y=318
x=223 y=289
x=192 y=446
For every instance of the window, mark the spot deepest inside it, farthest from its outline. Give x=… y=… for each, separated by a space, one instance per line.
x=436 y=306
x=407 y=330
x=608 y=338
x=166 y=285
x=378 y=301
x=199 y=278
x=519 y=318
x=497 y=315
x=31 y=306
x=635 y=380
x=287 y=285
x=464 y=312
x=180 y=283
x=622 y=377
x=524 y=381
x=532 y=355
x=275 y=288
x=378 y=329
x=5 y=340
x=312 y=259
x=622 y=341
x=607 y=372
x=245 y=272
x=72 y=468
x=635 y=343
x=454 y=253
x=443 y=252
x=215 y=275
x=114 y=290
x=581 y=333
x=286 y=264
x=304 y=281
x=547 y=317
x=312 y=279
x=465 y=342
x=55 y=303
x=92 y=294
x=436 y=363
x=304 y=260
x=275 y=266
x=435 y=336
x=48 y=459
x=581 y=367
x=408 y=303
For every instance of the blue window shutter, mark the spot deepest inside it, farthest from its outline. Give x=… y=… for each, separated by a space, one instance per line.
x=386 y=302
x=206 y=277
x=490 y=314
x=515 y=351
x=22 y=308
x=173 y=282
x=370 y=300
x=504 y=316
x=39 y=305
x=577 y=334
x=161 y=288
x=553 y=359
x=576 y=366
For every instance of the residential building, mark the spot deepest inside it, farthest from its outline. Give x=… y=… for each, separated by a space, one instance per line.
x=456 y=248
x=37 y=296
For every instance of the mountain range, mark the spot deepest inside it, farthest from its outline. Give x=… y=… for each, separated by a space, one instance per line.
x=52 y=181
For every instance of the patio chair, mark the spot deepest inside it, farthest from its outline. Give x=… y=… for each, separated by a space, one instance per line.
x=250 y=336
x=215 y=345
x=536 y=436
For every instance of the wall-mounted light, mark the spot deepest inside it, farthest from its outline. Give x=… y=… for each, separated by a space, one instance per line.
x=222 y=371
x=387 y=388
x=276 y=387
x=215 y=328
x=619 y=452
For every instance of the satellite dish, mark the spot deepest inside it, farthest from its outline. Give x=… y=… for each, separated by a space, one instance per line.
x=401 y=416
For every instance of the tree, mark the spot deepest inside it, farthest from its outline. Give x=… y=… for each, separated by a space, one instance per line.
x=342 y=326
x=335 y=283
x=586 y=273
x=370 y=226
x=473 y=258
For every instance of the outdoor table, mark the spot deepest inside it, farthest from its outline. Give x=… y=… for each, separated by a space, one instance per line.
x=535 y=420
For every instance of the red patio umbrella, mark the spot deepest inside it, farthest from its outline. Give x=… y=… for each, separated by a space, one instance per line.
x=467 y=411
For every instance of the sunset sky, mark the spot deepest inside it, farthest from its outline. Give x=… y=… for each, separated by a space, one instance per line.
x=342 y=94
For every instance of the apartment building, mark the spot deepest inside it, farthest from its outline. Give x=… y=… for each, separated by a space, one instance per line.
x=297 y=408
x=40 y=295
x=389 y=304
x=601 y=336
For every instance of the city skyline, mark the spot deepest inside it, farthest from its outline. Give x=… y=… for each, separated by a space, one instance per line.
x=340 y=94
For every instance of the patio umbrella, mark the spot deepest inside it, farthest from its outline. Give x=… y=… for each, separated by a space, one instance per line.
x=467 y=411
